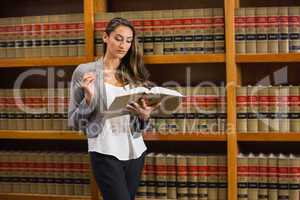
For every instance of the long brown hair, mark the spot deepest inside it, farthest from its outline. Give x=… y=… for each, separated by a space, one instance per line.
x=131 y=69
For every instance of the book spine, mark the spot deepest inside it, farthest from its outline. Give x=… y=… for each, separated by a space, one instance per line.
x=294 y=178
x=181 y=178
x=263 y=108
x=202 y=110
x=158 y=45
x=80 y=35
x=273 y=32
x=188 y=32
x=294 y=28
x=212 y=177
x=178 y=31
x=161 y=176
x=151 y=180
x=294 y=99
x=219 y=36
x=36 y=36
x=137 y=21
x=284 y=122
x=63 y=36
x=274 y=109
x=273 y=176
x=222 y=177
x=253 y=177
x=241 y=109
x=283 y=177
x=208 y=30
x=192 y=177
x=168 y=32
x=3 y=33
x=202 y=177
x=263 y=177
x=251 y=36
x=11 y=38
x=19 y=38
x=148 y=33
x=199 y=31
x=171 y=176
x=45 y=50
x=252 y=109
x=242 y=172
x=283 y=29
x=211 y=105
x=240 y=30
x=261 y=22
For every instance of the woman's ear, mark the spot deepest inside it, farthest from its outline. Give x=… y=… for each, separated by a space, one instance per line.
x=104 y=37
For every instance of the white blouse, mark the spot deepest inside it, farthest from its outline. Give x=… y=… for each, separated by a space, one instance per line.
x=116 y=138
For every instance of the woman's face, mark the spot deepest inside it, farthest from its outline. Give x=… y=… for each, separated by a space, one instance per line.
x=119 y=41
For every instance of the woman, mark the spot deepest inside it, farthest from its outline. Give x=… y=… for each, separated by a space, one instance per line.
x=116 y=147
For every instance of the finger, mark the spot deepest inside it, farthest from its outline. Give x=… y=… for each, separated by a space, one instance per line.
x=87 y=81
x=144 y=105
x=87 y=76
x=131 y=108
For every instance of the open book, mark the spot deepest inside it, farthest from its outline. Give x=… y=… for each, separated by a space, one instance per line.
x=169 y=100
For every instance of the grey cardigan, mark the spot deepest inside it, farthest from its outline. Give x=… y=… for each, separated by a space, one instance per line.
x=90 y=118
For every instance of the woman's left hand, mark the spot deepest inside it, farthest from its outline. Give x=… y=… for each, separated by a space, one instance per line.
x=142 y=110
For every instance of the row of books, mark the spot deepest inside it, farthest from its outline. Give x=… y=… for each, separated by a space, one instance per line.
x=268 y=177
x=179 y=31
x=40 y=172
x=268 y=109
x=42 y=36
x=203 y=109
x=34 y=109
x=184 y=176
x=267 y=30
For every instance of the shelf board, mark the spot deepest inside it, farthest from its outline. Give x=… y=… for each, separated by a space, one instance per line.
x=73 y=135
x=17 y=196
x=43 y=62
x=185 y=137
x=41 y=135
x=261 y=58
x=184 y=58
x=268 y=137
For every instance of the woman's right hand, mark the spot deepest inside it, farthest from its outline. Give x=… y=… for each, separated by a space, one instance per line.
x=87 y=85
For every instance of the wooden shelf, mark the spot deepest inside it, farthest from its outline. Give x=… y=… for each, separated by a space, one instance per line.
x=260 y=58
x=268 y=137
x=73 y=135
x=182 y=58
x=185 y=137
x=41 y=62
x=21 y=196
x=42 y=135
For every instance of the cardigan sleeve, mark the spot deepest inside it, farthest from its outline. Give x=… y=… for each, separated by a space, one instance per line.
x=78 y=110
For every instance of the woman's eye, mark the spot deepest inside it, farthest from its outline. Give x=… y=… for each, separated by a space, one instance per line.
x=118 y=39
x=129 y=41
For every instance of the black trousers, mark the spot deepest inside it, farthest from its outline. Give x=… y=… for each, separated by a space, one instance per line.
x=116 y=179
